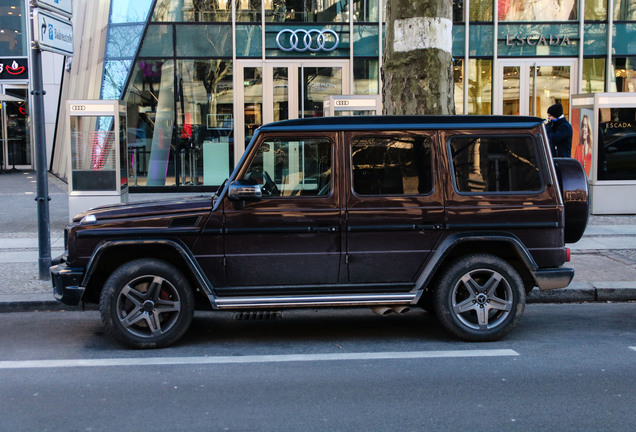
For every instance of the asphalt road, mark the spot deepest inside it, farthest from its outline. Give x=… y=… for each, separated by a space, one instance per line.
x=564 y=368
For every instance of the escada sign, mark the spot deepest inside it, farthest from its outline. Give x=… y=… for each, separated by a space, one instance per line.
x=537 y=39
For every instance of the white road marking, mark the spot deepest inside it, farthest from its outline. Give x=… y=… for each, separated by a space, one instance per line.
x=162 y=361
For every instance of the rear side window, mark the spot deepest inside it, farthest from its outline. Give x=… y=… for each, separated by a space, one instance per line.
x=391 y=165
x=495 y=164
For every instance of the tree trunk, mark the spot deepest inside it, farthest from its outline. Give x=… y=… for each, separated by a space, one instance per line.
x=418 y=72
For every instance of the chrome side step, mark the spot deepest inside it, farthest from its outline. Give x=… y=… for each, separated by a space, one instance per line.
x=312 y=300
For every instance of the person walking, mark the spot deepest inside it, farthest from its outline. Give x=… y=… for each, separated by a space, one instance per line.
x=559 y=132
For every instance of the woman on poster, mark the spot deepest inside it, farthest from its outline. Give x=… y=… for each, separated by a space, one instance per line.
x=583 y=152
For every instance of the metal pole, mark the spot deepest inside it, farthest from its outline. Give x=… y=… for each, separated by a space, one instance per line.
x=42 y=198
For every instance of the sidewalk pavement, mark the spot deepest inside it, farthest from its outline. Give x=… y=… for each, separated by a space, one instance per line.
x=604 y=260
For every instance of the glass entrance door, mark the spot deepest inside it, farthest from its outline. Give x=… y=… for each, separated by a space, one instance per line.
x=282 y=90
x=529 y=87
x=16 y=134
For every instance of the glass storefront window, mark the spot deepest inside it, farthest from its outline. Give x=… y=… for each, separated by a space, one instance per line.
x=624 y=10
x=625 y=74
x=365 y=40
x=480 y=86
x=366 y=76
x=114 y=79
x=193 y=11
x=366 y=10
x=306 y=11
x=458 y=11
x=593 y=75
x=595 y=10
x=123 y=40
x=13 y=33
x=538 y=10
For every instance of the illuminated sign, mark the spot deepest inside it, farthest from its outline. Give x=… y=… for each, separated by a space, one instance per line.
x=13 y=69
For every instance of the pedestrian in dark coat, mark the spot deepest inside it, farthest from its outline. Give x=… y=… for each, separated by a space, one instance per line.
x=559 y=132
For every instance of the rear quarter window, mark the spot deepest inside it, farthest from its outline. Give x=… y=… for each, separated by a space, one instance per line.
x=495 y=164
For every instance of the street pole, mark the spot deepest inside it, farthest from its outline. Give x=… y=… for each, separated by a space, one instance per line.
x=42 y=198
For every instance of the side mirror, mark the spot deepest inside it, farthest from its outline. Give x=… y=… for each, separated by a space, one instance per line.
x=244 y=190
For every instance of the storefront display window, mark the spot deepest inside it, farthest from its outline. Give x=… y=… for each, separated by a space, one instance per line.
x=248 y=11
x=193 y=11
x=204 y=41
x=458 y=79
x=538 y=10
x=13 y=36
x=480 y=86
x=307 y=11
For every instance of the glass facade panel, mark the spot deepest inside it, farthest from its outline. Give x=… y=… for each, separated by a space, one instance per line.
x=458 y=11
x=114 y=79
x=595 y=39
x=625 y=74
x=204 y=41
x=325 y=11
x=366 y=76
x=248 y=11
x=366 y=10
x=538 y=10
x=549 y=85
x=481 y=40
x=158 y=42
x=365 y=40
x=593 y=75
x=458 y=79
x=281 y=93
x=624 y=40
x=13 y=32
x=123 y=40
x=480 y=10
x=314 y=84
x=595 y=10
x=253 y=100
x=193 y=11
x=624 y=10
x=127 y=11
x=249 y=41
x=480 y=86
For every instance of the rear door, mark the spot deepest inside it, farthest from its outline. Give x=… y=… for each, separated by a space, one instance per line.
x=394 y=205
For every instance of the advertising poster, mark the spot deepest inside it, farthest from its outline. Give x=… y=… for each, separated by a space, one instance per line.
x=583 y=137
x=537 y=10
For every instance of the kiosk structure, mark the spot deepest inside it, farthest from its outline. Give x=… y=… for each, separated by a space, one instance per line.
x=604 y=141
x=98 y=154
x=352 y=105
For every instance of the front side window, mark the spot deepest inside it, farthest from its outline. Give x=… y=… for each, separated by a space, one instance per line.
x=293 y=168
x=391 y=165
x=495 y=164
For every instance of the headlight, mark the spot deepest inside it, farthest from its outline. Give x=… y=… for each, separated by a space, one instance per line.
x=88 y=219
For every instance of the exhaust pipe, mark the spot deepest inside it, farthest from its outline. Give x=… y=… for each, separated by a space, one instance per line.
x=382 y=310
x=400 y=309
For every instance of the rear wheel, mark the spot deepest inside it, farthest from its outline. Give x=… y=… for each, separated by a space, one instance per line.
x=146 y=303
x=479 y=298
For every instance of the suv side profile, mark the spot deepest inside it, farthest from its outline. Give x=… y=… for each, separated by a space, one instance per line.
x=460 y=215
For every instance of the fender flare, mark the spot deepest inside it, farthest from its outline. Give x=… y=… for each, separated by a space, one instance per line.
x=178 y=246
x=446 y=247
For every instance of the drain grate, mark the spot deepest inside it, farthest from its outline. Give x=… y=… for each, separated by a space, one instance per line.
x=258 y=315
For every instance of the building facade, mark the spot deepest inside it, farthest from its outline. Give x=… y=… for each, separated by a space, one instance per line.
x=199 y=76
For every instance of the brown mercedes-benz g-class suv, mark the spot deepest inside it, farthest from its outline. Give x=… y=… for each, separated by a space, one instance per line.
x=461 y=215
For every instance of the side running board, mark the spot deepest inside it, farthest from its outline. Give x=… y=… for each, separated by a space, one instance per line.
x=312 y=300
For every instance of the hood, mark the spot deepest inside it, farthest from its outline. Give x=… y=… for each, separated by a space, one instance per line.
x=149 y=208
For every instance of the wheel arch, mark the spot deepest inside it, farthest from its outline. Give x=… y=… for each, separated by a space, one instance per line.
x=110 y=255
x=503 y=245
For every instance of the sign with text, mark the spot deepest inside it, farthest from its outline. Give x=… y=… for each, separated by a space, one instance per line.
x=53 y=33
x=64 y=7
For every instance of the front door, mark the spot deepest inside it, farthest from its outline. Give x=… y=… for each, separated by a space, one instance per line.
x=16 y=135
x=280 y=90
x=529 y=87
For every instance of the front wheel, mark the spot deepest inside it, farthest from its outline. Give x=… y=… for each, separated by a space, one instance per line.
x=479 y=298
x=146 y=303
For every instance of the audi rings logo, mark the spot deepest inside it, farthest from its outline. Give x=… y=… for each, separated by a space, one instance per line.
x=307 y=40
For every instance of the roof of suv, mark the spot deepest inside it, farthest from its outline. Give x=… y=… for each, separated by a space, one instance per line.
x=404 y=122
